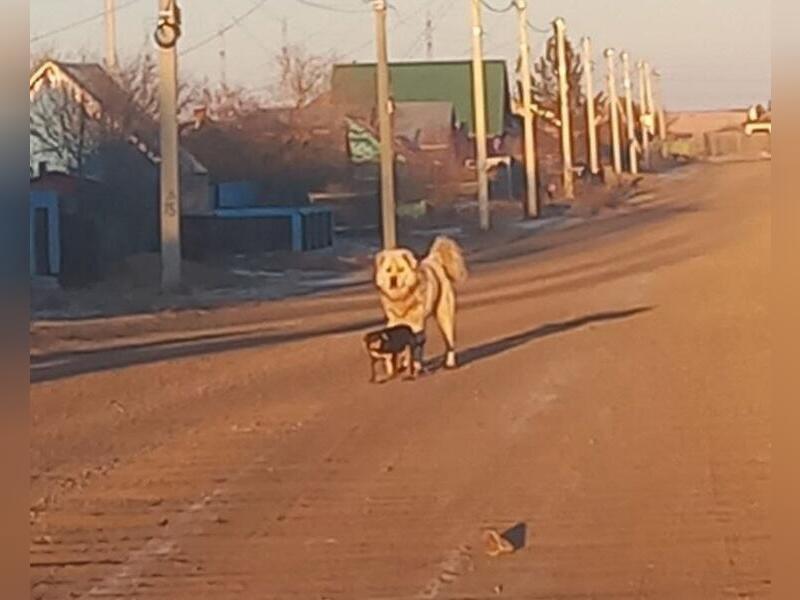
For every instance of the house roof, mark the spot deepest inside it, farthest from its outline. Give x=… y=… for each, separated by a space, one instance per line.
x=103 y=97
x=442 y=81
x=425 y=123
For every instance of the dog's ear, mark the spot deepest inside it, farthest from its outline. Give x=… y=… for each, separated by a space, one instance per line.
x=380 y=259
x=409 y=259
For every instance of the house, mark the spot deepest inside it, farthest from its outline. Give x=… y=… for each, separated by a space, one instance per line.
x=80 y=229
x=697 y=123
x=104 y=101
x=94 y=204
x=429 y=126
x=721 y=133
x=432 y=82
x=759 y=120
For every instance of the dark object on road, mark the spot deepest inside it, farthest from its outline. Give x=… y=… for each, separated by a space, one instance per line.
x=396 y=347
x=516 y=535
x=496 y=544
x=509 y=541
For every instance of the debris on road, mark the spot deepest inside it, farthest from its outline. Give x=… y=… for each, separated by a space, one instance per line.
x=496 y=544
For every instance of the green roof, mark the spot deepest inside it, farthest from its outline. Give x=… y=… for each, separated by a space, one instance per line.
x=445 y=81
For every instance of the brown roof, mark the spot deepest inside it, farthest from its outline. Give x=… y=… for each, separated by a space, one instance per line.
x=425 y=123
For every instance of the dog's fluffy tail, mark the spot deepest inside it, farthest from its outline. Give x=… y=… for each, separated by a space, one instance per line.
x=448 y=254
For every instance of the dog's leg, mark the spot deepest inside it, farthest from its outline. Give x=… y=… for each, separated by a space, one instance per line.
x=410 y=362
x=445 y=318
x=374 y=368
x=389 y=366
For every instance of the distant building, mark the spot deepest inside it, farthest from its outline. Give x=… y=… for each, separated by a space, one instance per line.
x=717 y=134
x=87 y=218
x=103 y=100
x=432 y=82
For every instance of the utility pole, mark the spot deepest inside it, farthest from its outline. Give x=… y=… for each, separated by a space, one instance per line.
x=111 y=35
x=388 y=217
x=648 y=87
x=591 y=122
x=645 y=113
x=479 y=101
x=167 y=33
x=633 y=158
x=429 y=36
x=532 y=201
x=662 y=123
x=613 y=110
x=563 y=88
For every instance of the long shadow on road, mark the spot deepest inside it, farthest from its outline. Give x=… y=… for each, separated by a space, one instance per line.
x=505 y=344
x=54 y=367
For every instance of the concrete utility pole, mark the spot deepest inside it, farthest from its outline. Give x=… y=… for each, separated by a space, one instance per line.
x=168 y=31
x=633 y=158
x=479 y=101
x=531 y=197
x=648 y=87
x=111 y=35
x=662 y=123
x=613 y=103
x=388 y=216
x=591 y=119
x=563 y=92
x=645 y=113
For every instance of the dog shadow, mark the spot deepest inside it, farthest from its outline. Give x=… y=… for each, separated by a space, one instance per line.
x=497 y=347
x=516 y=535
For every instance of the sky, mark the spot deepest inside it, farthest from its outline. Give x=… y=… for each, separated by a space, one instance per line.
x=711 y=53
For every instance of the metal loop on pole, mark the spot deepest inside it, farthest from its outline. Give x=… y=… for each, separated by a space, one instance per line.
x=168 y=28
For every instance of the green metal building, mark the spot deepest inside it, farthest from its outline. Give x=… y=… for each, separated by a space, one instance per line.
x=442 y=81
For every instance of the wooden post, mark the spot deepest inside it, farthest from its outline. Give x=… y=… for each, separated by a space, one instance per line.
x=388 y=207
x=613 y=101
x=633 y=158
x=167 y=34
x=591 y=119
x=531 y=196
x=566 y=131
x=479 y=101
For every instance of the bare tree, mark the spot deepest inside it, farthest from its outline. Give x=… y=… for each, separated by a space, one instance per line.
x=303 y=76
x=61 y=132
x=225 y=102
x=545 y=82
x=138 y=78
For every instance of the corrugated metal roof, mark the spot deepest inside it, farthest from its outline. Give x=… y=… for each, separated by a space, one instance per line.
x=445 y=81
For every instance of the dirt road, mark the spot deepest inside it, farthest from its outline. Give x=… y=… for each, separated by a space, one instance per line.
x=612 y=402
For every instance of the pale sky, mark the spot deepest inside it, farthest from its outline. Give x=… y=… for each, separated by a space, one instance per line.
x=712 y=53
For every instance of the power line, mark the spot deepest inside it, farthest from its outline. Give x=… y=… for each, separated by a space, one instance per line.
x=234 y=22
x=493 y=9
x=370 y=41
x=79 y=22
x=329 y=8
x=445 y=7
x=533 y=27
x=257 y=40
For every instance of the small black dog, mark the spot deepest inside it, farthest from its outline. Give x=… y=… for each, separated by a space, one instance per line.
x=398 y=348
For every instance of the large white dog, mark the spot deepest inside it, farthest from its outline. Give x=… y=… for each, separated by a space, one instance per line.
x=412 y=290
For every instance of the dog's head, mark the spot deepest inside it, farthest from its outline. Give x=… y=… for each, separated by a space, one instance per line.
x=375 y=340
x=395 y=272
